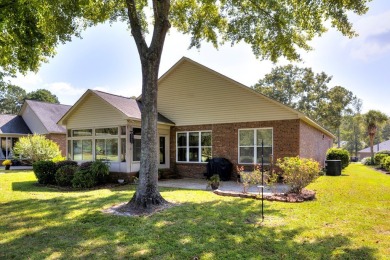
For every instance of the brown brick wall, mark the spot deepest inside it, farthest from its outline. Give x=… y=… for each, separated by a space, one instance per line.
x=313 y=143
x=225 y=143
x=60 y=139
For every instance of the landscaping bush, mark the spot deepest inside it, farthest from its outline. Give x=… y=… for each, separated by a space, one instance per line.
x=65 y=162
x=297 y=172
x=58 y=158
x=338 y=154
x=64 y=175
x=90 y=174
x=45 y=171
x=379 y=157
x=366 y=161
x=386 y=163
x=100 y=170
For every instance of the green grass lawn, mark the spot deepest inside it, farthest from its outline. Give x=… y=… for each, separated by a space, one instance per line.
x=349 y=220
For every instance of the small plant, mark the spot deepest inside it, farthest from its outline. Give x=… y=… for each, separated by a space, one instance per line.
x=251 y=178
x=7 y=163
x=100 y=170
x=297 y=172
x=45 y=171
x=65 y=174
x=338 y=154
x=213 y=182
x=367 y=161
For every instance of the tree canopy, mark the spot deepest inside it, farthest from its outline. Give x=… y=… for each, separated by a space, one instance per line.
x=31 y=31
x=308 y=92
x=372 y=120
x=43 y=95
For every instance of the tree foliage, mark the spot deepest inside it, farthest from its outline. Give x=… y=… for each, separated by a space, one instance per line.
x=31 y=31
x=43 y=95
x=302 y=89
x=11 y=97
x=36 y=148
x=373 y=119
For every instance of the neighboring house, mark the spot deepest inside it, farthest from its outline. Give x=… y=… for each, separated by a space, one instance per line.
x=366 y=152
x=35 y=117
x=203 y=114
x=11 y=128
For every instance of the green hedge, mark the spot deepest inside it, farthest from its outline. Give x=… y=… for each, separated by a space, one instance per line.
x=338 y=154
x=45 y=172
x=65 y=175
x=386 y=163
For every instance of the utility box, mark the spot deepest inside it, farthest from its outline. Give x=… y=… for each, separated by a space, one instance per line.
x=333 y=167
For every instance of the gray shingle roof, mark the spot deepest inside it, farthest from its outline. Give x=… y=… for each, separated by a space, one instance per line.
x=382 y=146
x=13 y=124
x=128 y=106
x=49 y=114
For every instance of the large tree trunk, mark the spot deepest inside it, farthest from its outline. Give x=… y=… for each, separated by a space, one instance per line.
x=147 y=194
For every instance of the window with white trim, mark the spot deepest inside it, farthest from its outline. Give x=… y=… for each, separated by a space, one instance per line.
x=250 y=145
x=193 y=146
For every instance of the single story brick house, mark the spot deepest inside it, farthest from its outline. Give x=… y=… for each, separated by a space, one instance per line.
x=35 y=117
x=366 y=152
x=202 y=114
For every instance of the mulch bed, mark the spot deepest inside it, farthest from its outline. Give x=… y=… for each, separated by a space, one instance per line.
x=305 y=195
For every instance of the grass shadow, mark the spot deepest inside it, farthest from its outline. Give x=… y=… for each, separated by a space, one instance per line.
x=75 y=227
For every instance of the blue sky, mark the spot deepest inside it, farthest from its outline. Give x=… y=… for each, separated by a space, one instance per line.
x=106 y=59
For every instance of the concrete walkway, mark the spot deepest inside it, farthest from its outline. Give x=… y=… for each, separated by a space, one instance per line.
x=201 y=184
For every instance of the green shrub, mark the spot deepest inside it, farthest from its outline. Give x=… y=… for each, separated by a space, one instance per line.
x=386 y=163
x=338 y=154
x=366 y=161
x=379 y=157
x=297 y=172
x=65 y=162
x=58 y=158
x=36 y=148
x=83 y=177
x=45 y=171
x=91 y=174
x=100 y=170
x=64 y=175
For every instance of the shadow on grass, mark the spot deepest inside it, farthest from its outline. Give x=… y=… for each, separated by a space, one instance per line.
x=34 y=186
x=75 y=227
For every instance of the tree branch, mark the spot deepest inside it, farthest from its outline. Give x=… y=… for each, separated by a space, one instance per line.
x=161 y=25
x=136 y=28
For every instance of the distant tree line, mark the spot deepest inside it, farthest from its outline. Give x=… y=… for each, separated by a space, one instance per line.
x=336 y=108
x=12 y=96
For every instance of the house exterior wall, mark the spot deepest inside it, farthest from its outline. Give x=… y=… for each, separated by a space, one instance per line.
x=225 y=143
x=313 y=143
x=33 y=122
x=60 y=139
x=192 y=94
x=95 y=112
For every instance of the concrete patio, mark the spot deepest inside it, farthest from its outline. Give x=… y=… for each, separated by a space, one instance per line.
x=232 y=186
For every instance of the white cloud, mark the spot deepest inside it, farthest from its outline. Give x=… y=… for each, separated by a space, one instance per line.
x=374 y=37
x=66 y=93
x=29 y=82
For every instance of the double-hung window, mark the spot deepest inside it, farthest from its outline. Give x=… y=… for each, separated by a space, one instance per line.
x=250 y=148
x=193 y=146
